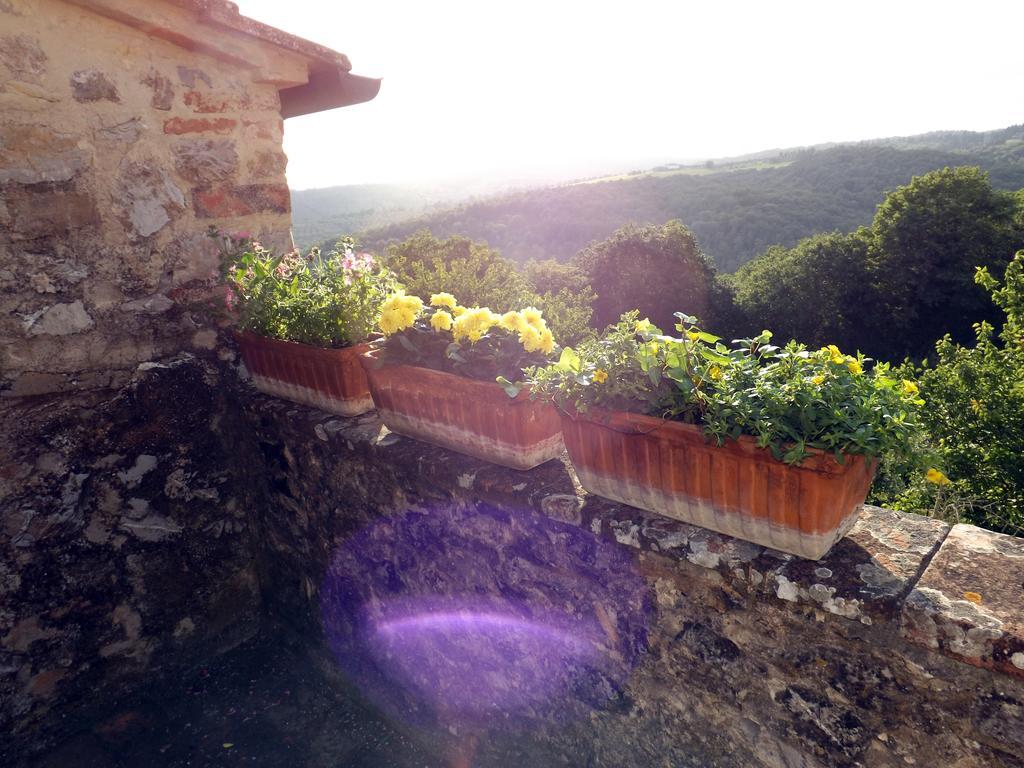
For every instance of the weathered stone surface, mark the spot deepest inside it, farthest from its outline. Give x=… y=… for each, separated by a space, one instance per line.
x=127 y=131
x=268 y=165
x=59 y=320
x=243 y=200
x=968 y=602
x=189 y=76
x=48 y=211
x=24 y=58
x=182 y=125
x=205 y=160
x=751 y=659
x=153 y=305
x=92 y=85
x=149 y=198
x=207 y=102
x=126 y=549
x=163 y=90
x=31 y=154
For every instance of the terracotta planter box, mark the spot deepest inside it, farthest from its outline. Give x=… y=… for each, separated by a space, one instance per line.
x=737 y=489
x=329 y=379
x=472 y=417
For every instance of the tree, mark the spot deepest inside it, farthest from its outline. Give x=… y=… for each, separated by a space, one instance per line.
x=812 y=292
x=565 y=297
x=472 y=272
x=927 y=239
x=658 y=270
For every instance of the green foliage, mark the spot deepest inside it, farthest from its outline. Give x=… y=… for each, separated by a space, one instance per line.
x=564 y=295
x=891 y=289
x=812 y=292
x=736 y=212
x=653 y=269
x=322 y=300
x=926 y=240
x=792 y=400
x=472 y=271
x=975 y=418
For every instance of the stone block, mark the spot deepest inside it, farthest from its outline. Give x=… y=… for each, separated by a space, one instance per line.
x=88 y=85
x=149 y=198
x=49 y=210
x=268 y=164
x=127 y=131
x=205 y=160
x=229 y=201
x=59 y=320
x=968 y=602
x=34 y=154
x=24 y=58
x=163 y=90
x=183 y=125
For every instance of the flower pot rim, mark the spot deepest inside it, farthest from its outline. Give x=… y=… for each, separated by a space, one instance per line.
x=255 y=338
x=745 y=447
x=371 y=362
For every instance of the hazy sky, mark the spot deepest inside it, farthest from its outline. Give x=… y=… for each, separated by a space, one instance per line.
x=561 y=87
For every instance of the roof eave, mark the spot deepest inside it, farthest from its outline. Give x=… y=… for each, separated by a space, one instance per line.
x=328 y=88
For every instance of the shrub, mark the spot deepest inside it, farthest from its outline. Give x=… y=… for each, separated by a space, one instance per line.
x=975 y=419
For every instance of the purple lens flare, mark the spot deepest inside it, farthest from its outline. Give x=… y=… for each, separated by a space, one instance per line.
x=480 y=619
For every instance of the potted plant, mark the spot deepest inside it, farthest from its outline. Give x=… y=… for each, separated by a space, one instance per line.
x=774 y=445
x=436 y=379
x=302 y=322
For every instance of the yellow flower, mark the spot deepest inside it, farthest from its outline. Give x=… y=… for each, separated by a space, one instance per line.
x=834 y=355
x=512 y=321
x=547 y=341
x=398 y=312
x=643 y=326
x=909 y=388
x=600 y=376
x=443 y=300
x=854 y=366
x=975 y=406
x=692 y=335
x=441 y=321
x=457 y=310
x=715 y=372
x=533 y=316
x=935 y=476
x=818 y=380
x=531 y=339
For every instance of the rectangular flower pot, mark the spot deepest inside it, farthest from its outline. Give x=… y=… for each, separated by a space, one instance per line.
x=737 y=489
x=472 y=417
x=329 y=379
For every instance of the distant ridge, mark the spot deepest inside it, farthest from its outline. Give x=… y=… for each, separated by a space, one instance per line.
x=737 y=206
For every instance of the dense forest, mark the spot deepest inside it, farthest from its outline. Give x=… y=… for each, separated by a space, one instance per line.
x=736 y=209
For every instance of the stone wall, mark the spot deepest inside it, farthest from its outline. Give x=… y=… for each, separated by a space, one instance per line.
x=118 y=150
x=127 y=551
x=904 y=646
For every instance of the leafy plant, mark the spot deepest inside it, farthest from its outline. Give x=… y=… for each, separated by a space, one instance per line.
x=975 y=419
x=324 y=300
x=469 y=341
x=791 y=400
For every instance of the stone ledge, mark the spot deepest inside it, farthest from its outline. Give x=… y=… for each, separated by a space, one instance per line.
x=969 y=602
x=873 y=576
